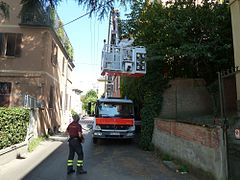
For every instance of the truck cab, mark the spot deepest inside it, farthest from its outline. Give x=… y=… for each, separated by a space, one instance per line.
x=114 y=119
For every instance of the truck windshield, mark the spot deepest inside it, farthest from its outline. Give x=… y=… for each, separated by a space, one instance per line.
x=123 y=110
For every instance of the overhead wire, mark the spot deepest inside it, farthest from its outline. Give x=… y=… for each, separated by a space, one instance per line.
x=90 y=27
x=101 y=6
x=93 y=43
x=94 y=63
x=98 y=40
x=75 y=19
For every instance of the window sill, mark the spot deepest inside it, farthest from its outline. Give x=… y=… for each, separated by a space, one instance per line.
x=7 y=57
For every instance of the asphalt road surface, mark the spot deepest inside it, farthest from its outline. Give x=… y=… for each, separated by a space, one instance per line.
x=107 y=160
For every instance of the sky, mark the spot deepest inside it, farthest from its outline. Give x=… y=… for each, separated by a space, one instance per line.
x=86 y=36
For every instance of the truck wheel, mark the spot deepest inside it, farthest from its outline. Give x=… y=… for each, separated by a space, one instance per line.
x=94 y=140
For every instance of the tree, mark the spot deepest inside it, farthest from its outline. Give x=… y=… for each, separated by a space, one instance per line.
x=189 y=40
x=99 y=7
x=182 y=40
x=90 y=97
x=4 y=9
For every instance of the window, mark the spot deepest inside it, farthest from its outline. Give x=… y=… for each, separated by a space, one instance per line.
x=123 y=110
x=54 y=54
x=10 y=44
x=5 y=91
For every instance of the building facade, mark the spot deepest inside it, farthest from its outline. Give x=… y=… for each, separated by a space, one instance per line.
x=235 y=16
x=101 y=84
x=35 y=65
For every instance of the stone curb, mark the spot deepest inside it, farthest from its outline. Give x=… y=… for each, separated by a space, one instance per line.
x=10 y=153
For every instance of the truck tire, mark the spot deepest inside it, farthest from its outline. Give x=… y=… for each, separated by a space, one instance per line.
x=94 y=140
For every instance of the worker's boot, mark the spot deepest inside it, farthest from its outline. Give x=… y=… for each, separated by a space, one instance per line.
x=80 y=170
x=70 y=170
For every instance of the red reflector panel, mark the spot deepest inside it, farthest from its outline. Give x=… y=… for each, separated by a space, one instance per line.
x=115 y=121
x=114 y=73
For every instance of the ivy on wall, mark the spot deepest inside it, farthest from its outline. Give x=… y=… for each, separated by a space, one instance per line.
x=13 y=126
x=146 y=92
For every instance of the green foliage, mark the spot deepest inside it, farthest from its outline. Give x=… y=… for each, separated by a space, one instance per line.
x=73 y=112
x=13 y=126
x=153 y=86
x=61 y=34
x=101 y=8
x=183 y=168
x=146 y=92
x=91 y=96
x=4 y=9
x=52 y=15
x=182 y=40
x=69 y=48
x=167 y=157
x=34 y=143
x=191 y=41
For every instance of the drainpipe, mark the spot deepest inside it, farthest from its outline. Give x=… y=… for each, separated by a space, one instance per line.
x=224 y=148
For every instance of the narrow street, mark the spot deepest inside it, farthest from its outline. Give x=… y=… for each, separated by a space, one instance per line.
x=107 y=160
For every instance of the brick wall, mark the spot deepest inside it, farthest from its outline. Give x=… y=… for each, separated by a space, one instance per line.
x=198 y=134
x=200 y=147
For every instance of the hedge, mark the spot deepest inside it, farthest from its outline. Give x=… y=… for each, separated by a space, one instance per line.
x=13 y=125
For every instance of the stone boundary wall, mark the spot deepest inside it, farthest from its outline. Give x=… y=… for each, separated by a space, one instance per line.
x=199 y=146
x=186 y=98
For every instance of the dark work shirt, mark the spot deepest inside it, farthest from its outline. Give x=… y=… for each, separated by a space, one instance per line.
x=73 y=129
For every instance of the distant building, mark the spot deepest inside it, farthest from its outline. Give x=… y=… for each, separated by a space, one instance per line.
x=101 y=82
x=108 y=86
x=36 y=65
x=76 y=101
